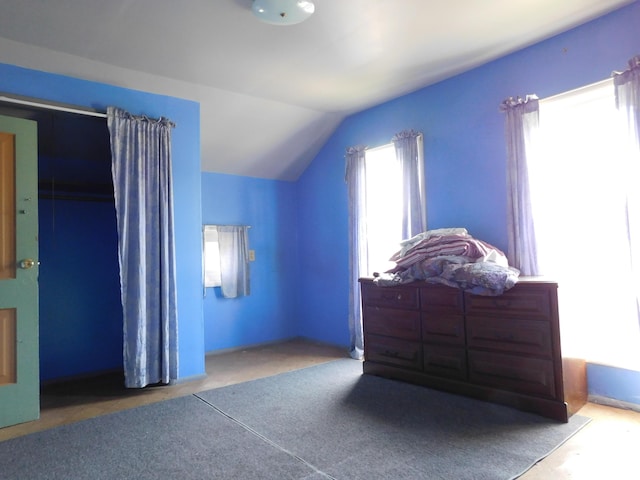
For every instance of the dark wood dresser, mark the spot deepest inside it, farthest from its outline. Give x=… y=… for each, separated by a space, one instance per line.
x=503 y=349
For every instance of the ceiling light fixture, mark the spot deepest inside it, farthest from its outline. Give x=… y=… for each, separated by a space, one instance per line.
x=283 y=12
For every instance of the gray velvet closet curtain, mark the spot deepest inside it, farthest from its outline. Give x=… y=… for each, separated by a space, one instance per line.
x=141 y=168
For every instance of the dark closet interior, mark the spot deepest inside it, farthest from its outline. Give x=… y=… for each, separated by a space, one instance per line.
x=79 y=285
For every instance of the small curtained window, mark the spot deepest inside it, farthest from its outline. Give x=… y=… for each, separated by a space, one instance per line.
x=226 y=259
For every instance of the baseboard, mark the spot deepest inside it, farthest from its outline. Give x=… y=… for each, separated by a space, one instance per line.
x=612 y=402
x=238 y=348
x=191 y=378
x=274 y=342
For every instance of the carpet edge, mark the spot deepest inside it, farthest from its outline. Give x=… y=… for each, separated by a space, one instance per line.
x=541 y=458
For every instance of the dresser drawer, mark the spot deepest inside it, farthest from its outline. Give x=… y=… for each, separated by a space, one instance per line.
x=441 y=298
x=391 y=351
x=450 y=362
x=443 y=328
x=523 y=300
x=391 y=297
x=518 y=336
x=392 y=323
x=510 y=372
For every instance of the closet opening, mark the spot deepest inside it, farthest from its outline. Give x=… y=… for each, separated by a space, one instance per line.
x=80 y=310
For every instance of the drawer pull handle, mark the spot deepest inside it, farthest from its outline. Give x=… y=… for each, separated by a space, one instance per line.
x=505 y=336
x=502 y=303
x=391 y=296
x=398 y=355
x=442 y=365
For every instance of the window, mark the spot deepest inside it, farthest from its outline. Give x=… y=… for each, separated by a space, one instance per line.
x=211 y=256
x=579 y=176
x=386 y=195
x=383 y=179
x=226 y=259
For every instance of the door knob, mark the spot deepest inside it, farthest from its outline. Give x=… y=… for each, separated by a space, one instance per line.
x=27 y=263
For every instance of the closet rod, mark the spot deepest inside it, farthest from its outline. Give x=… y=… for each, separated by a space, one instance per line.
x=50 y=106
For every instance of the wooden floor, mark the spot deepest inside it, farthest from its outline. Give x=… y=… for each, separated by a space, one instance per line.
x=606 y=448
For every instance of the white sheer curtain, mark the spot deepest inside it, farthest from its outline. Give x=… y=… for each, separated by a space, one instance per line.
x=409 y=152
x=233 y=243
x=627 y=90
x=521 y=123
x=142 y=180
x=356 y=189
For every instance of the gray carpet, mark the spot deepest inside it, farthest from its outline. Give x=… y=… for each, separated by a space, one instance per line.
x=327 y=421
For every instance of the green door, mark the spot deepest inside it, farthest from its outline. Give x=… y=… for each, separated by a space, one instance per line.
x=19 y=355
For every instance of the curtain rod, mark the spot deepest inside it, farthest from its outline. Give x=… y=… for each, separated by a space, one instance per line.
x=223 y=225
x=50 y=106
x=576 y=90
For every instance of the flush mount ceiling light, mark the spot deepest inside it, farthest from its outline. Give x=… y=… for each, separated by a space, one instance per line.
x=283 y=12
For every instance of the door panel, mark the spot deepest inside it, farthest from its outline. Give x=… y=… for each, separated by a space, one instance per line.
x=19 y=356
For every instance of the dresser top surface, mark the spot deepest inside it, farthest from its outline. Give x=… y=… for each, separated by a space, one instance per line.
x=420 y=283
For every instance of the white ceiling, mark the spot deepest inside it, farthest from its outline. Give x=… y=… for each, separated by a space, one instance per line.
x=270 y=95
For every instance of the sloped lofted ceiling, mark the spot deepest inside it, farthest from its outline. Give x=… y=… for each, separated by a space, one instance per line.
x=270 y=95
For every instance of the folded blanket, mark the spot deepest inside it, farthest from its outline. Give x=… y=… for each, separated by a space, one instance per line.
x=452 y=257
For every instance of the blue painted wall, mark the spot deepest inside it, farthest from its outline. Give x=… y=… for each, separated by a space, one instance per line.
x=465 y=153
x=268 y=314
x=617 y=383
x=80 y=307
x=299 y=230
x=186 y=181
